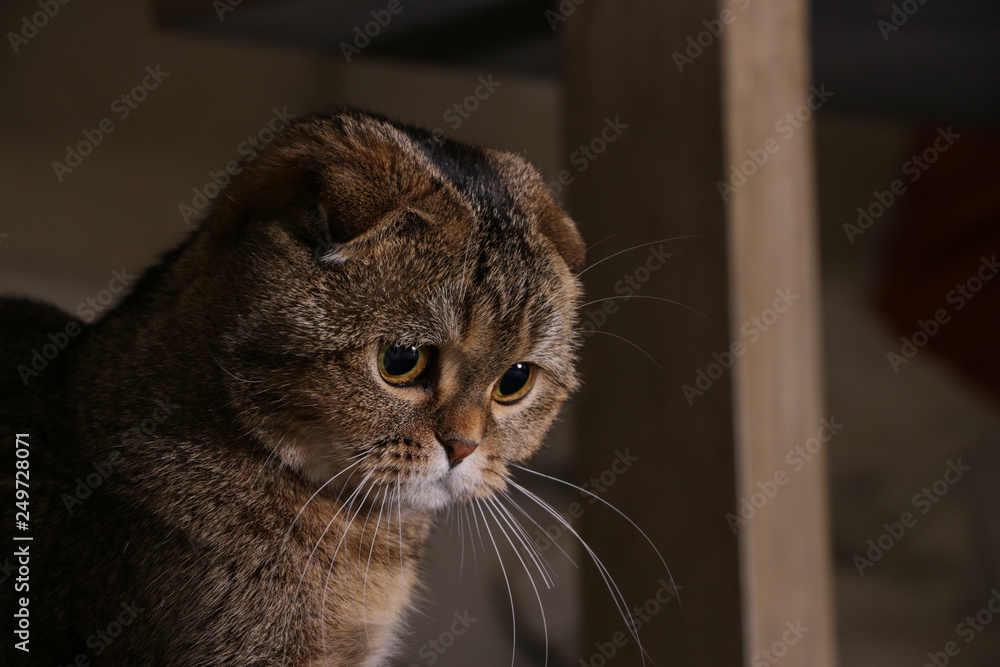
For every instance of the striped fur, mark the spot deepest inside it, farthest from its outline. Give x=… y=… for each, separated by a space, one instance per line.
x=278 y=511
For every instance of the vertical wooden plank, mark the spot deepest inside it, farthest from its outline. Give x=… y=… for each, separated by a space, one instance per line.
x=785 y=553
x=753 y=587
x=655 y=181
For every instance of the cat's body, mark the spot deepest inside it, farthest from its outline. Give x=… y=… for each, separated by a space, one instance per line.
x=224 y=470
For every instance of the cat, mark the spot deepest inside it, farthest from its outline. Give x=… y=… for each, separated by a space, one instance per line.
x=240 y=463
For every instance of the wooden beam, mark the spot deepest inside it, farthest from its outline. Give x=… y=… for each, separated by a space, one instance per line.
x=699 y=84
x=655 y=181
x=785 y=547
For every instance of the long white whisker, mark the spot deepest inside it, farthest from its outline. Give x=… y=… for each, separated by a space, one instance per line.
x=613 y=508
x=317 y=492
x=478 y=531
x=531 y=549
x=636 y=247
x=616 y=594
x=399 y=507
x=645 y=296
x=309 y=560
x=530 y=518
x=527 y=570
x=347 y=530
x=472 y=538
x=364 y=590
x=510 y=593
x=620 y=252
x=626 y=340
x=461 y=538
x=219 y=364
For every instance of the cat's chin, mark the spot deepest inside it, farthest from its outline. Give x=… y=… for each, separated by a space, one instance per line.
x=455 y=487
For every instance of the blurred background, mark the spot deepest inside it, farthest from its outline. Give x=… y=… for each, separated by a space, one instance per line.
x=119 y=118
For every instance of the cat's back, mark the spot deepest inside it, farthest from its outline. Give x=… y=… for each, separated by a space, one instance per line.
x=37 y=342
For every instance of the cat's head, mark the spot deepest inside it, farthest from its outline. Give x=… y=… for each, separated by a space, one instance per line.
x=403 y=306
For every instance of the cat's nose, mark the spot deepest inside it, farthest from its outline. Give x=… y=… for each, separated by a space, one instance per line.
x=457 y=450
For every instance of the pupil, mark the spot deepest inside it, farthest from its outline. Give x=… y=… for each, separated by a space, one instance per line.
x=515 y=378
x=399 y=360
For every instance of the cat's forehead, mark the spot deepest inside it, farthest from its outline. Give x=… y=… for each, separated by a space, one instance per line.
x=461 y=186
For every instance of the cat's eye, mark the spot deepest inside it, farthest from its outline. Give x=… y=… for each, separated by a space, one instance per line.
x=401 y=364
x=515 y=383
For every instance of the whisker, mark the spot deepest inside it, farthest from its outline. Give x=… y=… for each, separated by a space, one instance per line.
x=645 y=296
x=333 y=560
x=626 y=340
x=530 y=548
x=530 y=518
x=527 y=570
x=472 y=538
x=230 y=374
x=636 y=247
x=461 y=537
x=606 y=238
x=613 y=508
x=365 y=526
x=479 y=532
x=309 y=560
x=274 y=451
x=306 y=504
x=616 y=594
x=364 y=589
x=399 y=506
x=510 y=593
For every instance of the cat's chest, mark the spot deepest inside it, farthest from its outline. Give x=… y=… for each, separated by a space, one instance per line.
x=360 y=586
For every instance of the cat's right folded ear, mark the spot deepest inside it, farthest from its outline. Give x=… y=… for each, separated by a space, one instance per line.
x=337 y=182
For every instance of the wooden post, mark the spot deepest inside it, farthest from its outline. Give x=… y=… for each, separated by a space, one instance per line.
x=690 y=88
x=785 y=559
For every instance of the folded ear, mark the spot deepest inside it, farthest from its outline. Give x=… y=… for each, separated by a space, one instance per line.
x=353 y=170
x=560 y=229
x=534 y=198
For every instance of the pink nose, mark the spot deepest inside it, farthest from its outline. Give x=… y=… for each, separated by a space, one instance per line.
x=457 y=451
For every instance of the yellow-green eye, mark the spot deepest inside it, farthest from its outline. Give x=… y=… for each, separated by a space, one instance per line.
x=400 y=364
x=515 y=383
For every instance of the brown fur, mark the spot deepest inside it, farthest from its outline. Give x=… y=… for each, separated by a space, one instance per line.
x=261 y=334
